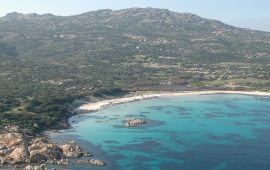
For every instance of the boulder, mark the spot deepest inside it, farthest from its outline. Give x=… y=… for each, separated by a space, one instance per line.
x=42 y=148
x=20 y=153
x=15 y=142
x=53 y=152
x=59 y=162
x=36 y=157
x=30 y=167
x=38 y=143
x=4 y=150
x=11 y=139
x=87 y=154
x=41 y=167
x=94 y=162
x=72 y=150
x=134 y=122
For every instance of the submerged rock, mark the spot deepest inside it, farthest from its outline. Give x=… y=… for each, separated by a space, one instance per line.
x=30 y=167
x=59 y=162
x=94 y=162
x=134 y=122
x=72 y=150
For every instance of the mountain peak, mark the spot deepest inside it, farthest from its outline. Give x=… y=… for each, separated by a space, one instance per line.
x=30 y=16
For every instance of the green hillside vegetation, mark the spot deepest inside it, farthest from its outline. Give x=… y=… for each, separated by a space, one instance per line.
x=47 y=61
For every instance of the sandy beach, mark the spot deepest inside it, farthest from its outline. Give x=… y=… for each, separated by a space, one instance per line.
x=101 y=104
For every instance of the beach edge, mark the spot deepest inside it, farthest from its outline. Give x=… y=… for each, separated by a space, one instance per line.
x=95 y=106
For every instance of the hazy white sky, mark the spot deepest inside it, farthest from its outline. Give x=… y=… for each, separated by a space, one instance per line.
x=254 y=14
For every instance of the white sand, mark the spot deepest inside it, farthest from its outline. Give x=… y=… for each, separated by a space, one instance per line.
x=99 y=105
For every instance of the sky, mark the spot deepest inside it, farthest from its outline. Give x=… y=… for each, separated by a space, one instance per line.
x=253 y=14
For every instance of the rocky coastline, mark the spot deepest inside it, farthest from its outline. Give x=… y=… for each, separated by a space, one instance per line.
x=19 y=148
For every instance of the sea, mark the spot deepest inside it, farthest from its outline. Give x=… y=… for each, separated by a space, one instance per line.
x=198 y=132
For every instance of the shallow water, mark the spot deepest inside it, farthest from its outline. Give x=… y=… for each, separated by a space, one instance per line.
x=205 y=132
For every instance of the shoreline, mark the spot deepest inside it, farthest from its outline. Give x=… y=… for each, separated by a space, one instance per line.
x=95 y=106
x=98 y=105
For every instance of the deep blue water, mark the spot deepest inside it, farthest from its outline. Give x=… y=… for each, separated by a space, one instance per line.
x=205 y=132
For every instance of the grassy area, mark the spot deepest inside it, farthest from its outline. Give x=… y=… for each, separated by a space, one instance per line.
x=239 y=81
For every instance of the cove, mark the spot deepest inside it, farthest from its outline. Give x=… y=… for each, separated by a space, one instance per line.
x=202 y=132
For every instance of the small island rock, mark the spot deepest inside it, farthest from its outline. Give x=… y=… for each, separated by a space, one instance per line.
x=134 y=122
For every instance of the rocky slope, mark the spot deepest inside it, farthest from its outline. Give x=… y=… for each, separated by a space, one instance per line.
x=18 y=148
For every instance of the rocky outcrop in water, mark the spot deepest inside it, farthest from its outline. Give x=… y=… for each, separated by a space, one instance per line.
x=134 y=122
x=59 y=162
x=71 y=150
x=30 y=167
x=41 y=150
x=13 y=146
x=95 y=162
x=18 y=147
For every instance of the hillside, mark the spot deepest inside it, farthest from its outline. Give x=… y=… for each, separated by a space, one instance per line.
x=48 y=61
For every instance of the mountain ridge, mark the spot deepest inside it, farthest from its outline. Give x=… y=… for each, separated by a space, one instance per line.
x=16 y=15
x=47 y=62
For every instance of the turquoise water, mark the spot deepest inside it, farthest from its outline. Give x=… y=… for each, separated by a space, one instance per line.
x=206 y=132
